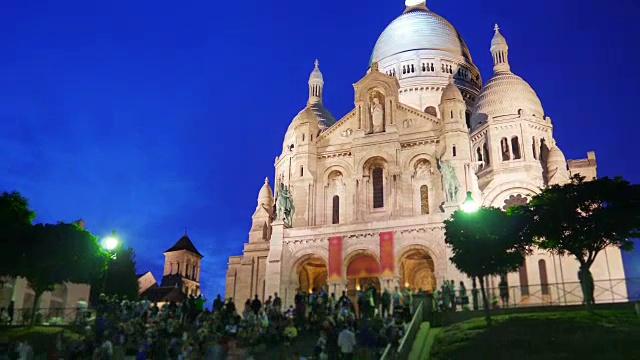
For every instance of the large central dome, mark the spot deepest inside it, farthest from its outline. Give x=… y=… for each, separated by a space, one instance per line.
x=420 y=29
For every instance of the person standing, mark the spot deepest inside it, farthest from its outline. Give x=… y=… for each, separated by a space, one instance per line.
x=347 y=343
x=386 y=302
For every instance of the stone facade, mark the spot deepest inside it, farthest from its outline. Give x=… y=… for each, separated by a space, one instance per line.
x=423 y=132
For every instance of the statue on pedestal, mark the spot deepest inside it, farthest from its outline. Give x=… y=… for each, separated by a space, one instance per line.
x=284 y=205
x=449 y=181
x=377 y=113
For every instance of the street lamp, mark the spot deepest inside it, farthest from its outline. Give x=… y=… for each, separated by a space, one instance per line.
x=111 y=242
x=469 y=205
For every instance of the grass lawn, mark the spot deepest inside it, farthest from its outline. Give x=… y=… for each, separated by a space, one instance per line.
x=613 y=334
x=40 y=337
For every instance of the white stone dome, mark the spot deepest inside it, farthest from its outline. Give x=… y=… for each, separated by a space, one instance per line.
x=266 y=194
x=556 y=158
x=451 y=92
x=506 y=94
x=420 y=29
x=314 y=113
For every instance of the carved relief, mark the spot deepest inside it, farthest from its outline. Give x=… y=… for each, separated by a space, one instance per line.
x=407 y=123
x=423 y=169
x=346 y=133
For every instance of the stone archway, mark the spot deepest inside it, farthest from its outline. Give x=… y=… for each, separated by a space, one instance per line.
x=311 y=273
x=417 y=269
x=363 y=271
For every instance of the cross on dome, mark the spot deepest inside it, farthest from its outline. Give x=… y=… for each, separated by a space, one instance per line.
x=316 y=63
x=496 y=28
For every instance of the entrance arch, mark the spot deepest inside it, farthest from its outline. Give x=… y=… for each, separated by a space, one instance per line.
x=363 y=270
x=417 y=269
x=311 y=273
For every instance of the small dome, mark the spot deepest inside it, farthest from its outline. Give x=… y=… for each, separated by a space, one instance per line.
x=506 y=94
x=451 y=92
x=419 y=29
x=498 y=39
x=316 y=75
x=556 y=158
x=315 y=112
x=266 y=194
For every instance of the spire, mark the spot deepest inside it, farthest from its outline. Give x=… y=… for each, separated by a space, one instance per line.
x=316 y=84
x=500 y=52
x=415 y=5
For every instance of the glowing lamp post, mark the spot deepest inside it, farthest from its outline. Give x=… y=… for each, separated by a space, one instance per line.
x=469 y=205
x=111 y=242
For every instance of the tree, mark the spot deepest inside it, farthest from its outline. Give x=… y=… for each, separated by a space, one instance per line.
x=61 y=253
x=486 y=242
x=120 y=278
x=15 y=221
x=582 y=218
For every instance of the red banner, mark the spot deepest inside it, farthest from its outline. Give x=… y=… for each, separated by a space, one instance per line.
x=386 y=253
x=335 y=258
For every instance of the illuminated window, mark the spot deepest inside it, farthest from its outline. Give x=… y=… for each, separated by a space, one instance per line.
x=424 y=199
x=378 y=189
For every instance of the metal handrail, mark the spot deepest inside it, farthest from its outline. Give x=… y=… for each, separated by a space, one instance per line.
x=404 y=348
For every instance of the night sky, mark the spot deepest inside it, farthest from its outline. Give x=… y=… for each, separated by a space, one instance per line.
x=151 y=116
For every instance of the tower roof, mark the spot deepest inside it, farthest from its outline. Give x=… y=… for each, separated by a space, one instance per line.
x=451 y=92
x=184 y=243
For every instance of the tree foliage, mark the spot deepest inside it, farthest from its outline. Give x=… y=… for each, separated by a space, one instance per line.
x=120 y=278
x=486 y=242
x=582 y=218
x=61 y=253
x=15 y=221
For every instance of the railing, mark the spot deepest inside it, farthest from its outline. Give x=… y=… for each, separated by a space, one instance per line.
x=404 y=348
x=47 y=316
x=567 y=293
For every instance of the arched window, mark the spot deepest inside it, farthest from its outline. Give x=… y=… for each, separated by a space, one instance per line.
x=431 y=110
x=544 y=281
x=534 y=147
x=178 y=272
x=378 y=189
x=302 y=137
x=524 y=279
x=485 y=154
x=301 y=171
x=504 y=149
x=515 y=148
x=424 y=199
x=336 y=210
x=424 y=68
x=265 y=231
x=404 y=69
x=453 y=150
x=413 y=69
x=467 y=117
x=479 y=156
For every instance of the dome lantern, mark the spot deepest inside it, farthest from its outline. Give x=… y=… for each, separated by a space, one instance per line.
x=316 y=84
x=415 y=4
x=500 y=52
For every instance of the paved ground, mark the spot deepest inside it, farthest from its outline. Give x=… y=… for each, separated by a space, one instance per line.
x=304 y=346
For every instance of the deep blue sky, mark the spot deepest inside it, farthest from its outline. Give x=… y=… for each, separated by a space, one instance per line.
x=152 y=116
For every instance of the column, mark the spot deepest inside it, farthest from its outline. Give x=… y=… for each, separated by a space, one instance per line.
x=274 y=259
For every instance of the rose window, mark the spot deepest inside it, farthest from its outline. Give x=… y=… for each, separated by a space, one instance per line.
x=515 y=200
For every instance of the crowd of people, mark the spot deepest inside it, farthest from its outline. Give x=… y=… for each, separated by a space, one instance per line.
x=318 y=325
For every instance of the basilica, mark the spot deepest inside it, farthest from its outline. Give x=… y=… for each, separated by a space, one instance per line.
x=361 y=200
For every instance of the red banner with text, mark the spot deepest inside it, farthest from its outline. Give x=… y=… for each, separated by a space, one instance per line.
x=386 y=253
x=335 y=258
